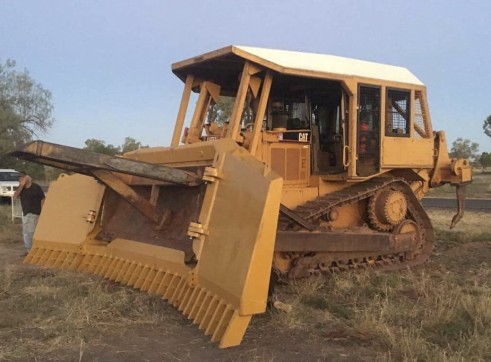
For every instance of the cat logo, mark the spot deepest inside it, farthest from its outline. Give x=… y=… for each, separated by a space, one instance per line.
x=303 y=137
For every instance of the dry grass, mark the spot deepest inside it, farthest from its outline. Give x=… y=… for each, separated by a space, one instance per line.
x=44 y=311
x=479 y=188
x=475 y=226
x=438 y=312
x=51 y=314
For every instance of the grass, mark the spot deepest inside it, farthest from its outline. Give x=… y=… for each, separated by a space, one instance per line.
x=410 y=315
x=438 y=312
x=479 y=188
x=52 y=313
x=45 y=311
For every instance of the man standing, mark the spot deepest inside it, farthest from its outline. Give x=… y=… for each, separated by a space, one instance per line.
x=31 y=198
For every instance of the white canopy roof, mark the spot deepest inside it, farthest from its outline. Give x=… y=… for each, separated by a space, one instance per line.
x=333 y=64
x=293 y=62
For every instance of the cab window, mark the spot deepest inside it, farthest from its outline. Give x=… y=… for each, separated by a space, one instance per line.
x=397 y=116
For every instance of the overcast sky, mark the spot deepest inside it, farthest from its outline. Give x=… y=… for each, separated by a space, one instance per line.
x=108 y=63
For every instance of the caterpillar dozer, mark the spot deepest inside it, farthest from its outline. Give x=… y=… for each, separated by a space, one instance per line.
x=291 y=164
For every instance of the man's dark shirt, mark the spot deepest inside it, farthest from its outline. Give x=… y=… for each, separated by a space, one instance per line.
x=30 y=199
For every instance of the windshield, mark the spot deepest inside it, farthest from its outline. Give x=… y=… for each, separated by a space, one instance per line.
x=9 y=176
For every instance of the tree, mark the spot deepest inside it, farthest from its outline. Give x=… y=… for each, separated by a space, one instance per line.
x=464 y=148
x=100 y=146
x=25 y=105
x=130 y=144
x=221 y=111
x=485 y=160
x=26 y=110
x=487 y=126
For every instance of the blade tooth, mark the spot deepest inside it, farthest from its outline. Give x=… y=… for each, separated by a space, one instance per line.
x=102 y=263
x=111 y=267
x=197 y=304
x=66 y=260
x=215 y=318
x=185 y=298
x=122 y=271
x=148 y=279
x=36 y=258
x=60 y=259
x=235 y=330
x=210 y=311
x=85 y=263
x=174 y=299
x=94 y=263
x=134 y=275
x=70 y=262
x=50 y=260
x=156 y=281
x=162 y=288
x=203 y=308
x=44 y=257
x=110 y=261
x=29 y=258
x=39 y=259
x=75 y=262
x=129 y=272
x=116 y=269
x=171 y=286
x=222 y=324
x=192 y=301
x=141 y=277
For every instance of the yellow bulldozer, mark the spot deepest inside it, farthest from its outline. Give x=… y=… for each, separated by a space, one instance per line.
x=291 y=164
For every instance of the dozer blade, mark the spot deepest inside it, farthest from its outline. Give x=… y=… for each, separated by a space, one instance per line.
x=212 y=261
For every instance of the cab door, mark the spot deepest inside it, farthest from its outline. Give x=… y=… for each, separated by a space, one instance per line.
x=368 y=130
x=329 y=131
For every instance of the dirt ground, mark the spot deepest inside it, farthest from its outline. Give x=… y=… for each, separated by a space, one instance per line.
x=54 y=315
x=175 y=340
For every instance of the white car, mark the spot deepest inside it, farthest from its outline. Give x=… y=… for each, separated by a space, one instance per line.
x=9 y=182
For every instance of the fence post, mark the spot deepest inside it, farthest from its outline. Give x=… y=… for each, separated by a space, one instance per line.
x=16 y=208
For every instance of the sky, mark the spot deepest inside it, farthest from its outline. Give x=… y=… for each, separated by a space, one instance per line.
x=108 y=62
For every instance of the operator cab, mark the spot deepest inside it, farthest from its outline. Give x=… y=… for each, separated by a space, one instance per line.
x=308 y=114
x=311 y=111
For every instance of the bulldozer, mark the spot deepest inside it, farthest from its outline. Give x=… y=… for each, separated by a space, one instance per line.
x=291 y=164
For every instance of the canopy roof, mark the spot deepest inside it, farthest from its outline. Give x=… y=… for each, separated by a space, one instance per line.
x=292 y=62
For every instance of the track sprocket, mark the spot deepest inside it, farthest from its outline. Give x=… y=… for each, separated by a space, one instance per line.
x=387 y=208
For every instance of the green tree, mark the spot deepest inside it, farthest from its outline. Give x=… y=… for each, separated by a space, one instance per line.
x=25 y=105
x=487 y=126
x=485 y=160
x=221 y=111
x=130 y=144
x=100 y=146
x=464 y=148
x=26 y=111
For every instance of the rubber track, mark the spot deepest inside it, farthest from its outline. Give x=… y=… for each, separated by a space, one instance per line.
x=313 y=210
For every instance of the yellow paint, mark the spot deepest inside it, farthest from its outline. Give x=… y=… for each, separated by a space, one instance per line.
x=248 y=173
